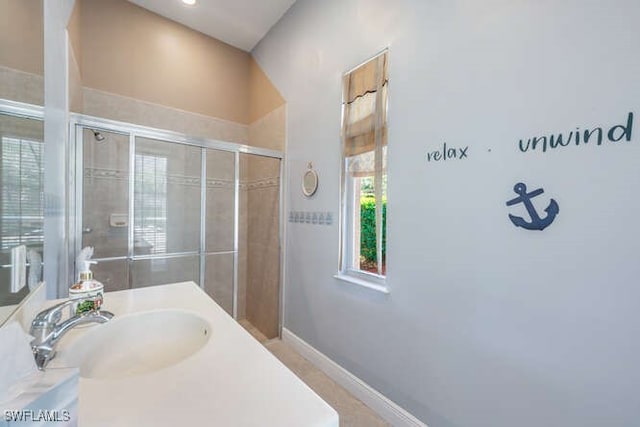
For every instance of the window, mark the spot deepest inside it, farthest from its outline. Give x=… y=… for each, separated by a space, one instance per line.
x=151 y=201
x=364 y=171
x=22 y=185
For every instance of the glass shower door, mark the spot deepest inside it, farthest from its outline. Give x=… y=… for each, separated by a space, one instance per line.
x=166 y=219
x=159 y=212
x=220 y=224
x=105 y=205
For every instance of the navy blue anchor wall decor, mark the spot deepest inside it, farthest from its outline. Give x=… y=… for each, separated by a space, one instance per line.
x=535 y=223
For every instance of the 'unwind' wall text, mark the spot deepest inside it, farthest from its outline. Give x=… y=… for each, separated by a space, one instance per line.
x=597 y=135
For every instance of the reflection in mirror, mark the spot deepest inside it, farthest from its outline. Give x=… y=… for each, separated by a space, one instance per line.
x=21 y=208
x=21 y=51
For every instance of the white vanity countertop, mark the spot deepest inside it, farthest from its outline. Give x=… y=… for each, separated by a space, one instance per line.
x=6 y=311
x=231 y=381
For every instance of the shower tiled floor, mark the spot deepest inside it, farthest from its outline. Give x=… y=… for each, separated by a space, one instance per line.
x=353 y=413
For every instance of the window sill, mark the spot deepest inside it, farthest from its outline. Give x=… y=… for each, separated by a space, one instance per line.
x=364 y=283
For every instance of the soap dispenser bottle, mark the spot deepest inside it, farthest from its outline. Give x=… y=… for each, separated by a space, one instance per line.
x=87 y=288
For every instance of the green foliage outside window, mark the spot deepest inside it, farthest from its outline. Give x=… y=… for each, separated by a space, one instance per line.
x=368 y=228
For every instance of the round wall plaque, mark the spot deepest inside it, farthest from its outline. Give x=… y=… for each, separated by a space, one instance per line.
x=310 y=182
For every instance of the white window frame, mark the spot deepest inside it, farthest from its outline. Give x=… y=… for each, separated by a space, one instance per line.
x=351 y=256
x=349 y=262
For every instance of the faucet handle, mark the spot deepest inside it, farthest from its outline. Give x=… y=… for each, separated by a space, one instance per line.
x=52 y=315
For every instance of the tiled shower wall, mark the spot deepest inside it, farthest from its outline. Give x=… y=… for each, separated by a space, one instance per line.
x=259 y=277
x=260 y=188
x=116 y=107
x=21 y=86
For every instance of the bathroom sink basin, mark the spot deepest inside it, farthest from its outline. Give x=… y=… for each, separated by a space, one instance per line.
x=138 y=344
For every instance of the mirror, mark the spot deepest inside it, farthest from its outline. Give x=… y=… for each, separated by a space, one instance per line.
x=22 y=51
x=21 y=208
x=310 y=181
x=20 y=274
x=21 y=145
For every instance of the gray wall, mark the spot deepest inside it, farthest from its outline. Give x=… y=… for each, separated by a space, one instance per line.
x=486 y=324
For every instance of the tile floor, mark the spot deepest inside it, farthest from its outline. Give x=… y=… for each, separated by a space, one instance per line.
x=353 y=413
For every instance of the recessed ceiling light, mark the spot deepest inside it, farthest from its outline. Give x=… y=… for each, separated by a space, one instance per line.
x=189 y=2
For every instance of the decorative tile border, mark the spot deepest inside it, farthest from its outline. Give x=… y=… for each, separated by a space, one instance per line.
x=101 y=173
x=313 y=218
x=220 y=183
x=260 y=183
x=192 y=181
x=187 y=181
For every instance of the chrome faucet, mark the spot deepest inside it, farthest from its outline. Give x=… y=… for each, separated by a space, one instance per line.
x=47 y=331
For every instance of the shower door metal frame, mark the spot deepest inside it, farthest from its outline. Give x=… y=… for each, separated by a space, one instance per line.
x=79 y=122
x=21 y=109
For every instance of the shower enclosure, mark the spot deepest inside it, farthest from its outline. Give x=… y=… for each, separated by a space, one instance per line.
x=161 y=207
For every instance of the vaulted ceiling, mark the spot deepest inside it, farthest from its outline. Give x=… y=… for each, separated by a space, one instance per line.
x=240 y=23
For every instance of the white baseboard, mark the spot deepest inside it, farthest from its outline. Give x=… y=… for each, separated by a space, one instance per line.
x=385 y=408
